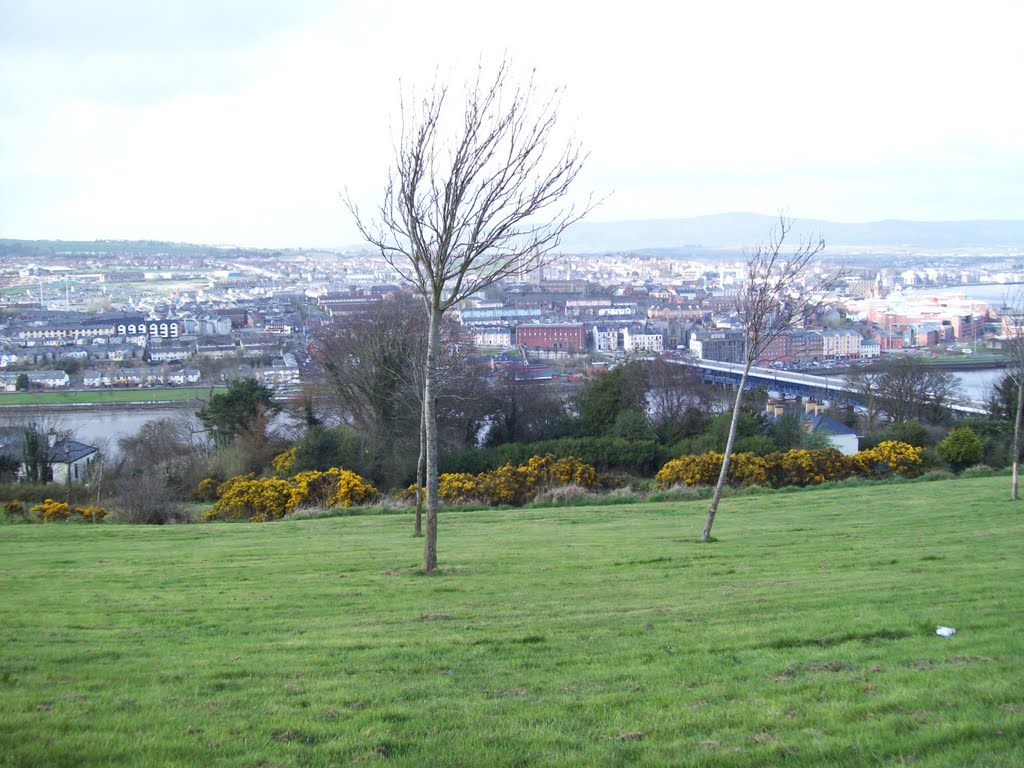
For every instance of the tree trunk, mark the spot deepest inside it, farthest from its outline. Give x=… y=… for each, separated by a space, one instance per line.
x=420 y=472
x=430 y=430
x=1016 y=434
x=720 y=485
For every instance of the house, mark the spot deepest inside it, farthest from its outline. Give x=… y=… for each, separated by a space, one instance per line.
x=842 y=438
x=63 y=455
x=492 y=337
x=71 y=456
x=605 y=339
x=169 y=353
x=282 y=372
x=36 y=380
x=642 y=340
x=184 y=376
x=96 y=379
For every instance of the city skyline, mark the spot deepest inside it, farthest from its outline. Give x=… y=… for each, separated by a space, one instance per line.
x=228 y=122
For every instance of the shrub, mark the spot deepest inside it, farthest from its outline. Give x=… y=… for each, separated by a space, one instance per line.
x=891 y=459
x=701 y=469
x=565 y=496
x=334 y=488
x=15 y=508
x=515 y=485
x=802 y=467
x=90 y=514
x=284 y=461
x=245 y=497
x=961 y=448
x=979 y=471
x=146 y=500
x=206 y=490
x=456 y=487
x=51 y=510
x=793 y=468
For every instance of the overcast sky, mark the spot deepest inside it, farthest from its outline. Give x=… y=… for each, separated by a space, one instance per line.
x=241 y=121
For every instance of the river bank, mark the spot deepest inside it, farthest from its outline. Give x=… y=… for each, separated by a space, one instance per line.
x=115 y=398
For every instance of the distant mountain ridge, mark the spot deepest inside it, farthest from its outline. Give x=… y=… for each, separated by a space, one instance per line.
x=743 y=230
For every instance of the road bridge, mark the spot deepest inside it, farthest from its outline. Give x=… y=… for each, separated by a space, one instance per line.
x=833 y=388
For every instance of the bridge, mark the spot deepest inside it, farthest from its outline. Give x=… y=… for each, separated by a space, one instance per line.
x=831 y=388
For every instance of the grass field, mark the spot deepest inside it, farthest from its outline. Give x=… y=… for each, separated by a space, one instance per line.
x=590 y=636
x=104 y=396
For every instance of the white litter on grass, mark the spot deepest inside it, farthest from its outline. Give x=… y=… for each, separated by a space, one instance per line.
x=945 y=631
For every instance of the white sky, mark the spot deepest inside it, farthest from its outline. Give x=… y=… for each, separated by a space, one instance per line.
x=241 y=121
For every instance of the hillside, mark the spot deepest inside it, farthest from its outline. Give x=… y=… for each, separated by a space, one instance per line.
x=586 y=636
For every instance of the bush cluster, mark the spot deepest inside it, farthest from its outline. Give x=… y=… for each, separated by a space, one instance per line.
x=794 y=467
x=515 y=485
x=247 y=497
x=605 y=454
x=51 y=510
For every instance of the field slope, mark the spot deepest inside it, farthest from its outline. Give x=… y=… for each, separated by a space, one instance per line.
x=589 y=636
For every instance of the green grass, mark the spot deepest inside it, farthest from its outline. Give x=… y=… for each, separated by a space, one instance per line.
x=103 y=396
x=805 y=635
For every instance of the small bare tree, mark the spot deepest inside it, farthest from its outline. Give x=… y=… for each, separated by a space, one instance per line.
x=467 y=207
x=771 y=302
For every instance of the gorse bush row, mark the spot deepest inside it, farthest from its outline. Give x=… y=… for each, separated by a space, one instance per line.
x=50 y=511
x=795 y=467
x=247 y=497
x=515 y=485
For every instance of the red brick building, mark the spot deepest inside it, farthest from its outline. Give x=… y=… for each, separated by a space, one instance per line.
x=558 y=337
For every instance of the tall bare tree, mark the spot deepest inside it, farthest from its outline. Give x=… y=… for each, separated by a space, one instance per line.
x=773 y=300
x=469 y=204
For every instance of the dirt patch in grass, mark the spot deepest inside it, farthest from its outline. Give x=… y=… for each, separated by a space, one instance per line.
x=798 y=669
x=630 y=736
x=511 y=692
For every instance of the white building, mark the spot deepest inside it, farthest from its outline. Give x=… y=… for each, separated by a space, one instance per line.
x=642 y=340
x=493 y=337
x=605 y=339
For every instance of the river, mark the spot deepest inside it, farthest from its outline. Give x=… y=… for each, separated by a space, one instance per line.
x=995 y=294
x=104 y=426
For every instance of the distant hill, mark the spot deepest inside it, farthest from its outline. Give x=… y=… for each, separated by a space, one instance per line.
x=742 y=230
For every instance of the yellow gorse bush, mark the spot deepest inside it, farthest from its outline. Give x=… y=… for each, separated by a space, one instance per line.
x=892 y=458
x=514 y=485
x=246 y=497
x=283 y=462
x=51 y=510
x=795 y=467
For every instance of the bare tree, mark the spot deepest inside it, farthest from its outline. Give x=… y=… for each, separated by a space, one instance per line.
x=675 y=392
x=371 y=363
x=467 y=207
x=865 y=383
x=771 y=302
x=905 y=389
